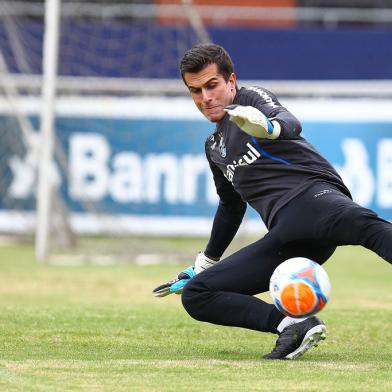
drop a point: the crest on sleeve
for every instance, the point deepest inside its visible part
(222, 148)
(212, 140)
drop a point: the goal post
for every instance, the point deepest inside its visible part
(45, 175)
(49, 200)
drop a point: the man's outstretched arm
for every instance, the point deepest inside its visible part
(260, 114)
(227, 220)
(253, 122)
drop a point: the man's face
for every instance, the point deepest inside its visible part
(210, 92)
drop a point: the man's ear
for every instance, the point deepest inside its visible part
(233, 80)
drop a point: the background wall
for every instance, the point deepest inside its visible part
(118, 49)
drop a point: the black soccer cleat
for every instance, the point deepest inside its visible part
(298, 338)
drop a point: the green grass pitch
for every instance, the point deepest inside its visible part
(98, 328)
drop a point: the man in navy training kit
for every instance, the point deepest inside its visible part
(257, 157)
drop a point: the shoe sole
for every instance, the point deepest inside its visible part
(312, 337)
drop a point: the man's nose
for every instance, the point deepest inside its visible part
(205, 95)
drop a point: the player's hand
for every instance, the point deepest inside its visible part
(176, 285)
(253, 122)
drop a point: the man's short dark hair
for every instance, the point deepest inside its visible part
(202, 55)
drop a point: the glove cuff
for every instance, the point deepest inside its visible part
(203, 262)
(274, 129)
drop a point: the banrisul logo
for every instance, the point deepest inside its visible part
(248, 158)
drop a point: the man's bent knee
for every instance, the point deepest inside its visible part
(194, 298)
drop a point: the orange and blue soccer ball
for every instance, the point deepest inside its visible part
(300, 287)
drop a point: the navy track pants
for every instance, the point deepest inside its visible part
(312, 225)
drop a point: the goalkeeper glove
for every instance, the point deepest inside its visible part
(253, 122)
(176, 285)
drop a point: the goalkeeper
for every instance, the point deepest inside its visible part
(258, 157)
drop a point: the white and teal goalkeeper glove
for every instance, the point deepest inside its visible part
(177, 284)
(253, 122)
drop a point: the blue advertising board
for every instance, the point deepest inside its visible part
(149, 170)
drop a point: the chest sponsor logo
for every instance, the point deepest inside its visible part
(248, 158)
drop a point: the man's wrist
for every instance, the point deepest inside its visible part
(204, 262)
(276, 129)
(211, 257)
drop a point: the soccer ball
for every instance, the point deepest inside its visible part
(299, 287)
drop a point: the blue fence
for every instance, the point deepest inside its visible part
(120, 49)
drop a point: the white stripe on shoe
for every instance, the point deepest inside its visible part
(312, 337)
